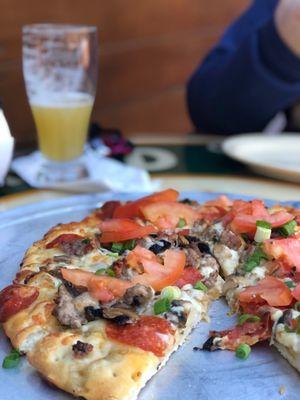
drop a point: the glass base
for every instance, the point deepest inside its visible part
(55, 171)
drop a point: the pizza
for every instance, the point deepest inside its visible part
(98, 306)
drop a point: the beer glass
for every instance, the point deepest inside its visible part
(60, 64)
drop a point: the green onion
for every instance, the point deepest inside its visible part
(181, 223)
(243, 351)
(297, 306)
(100, 271)
(117, 247)
(161, 306)
(171, 293)
(86, 241)
(288, 228)
(262, 234)
(290, 284)
(248, 317)
(110, 272)
(263, 224)
(288, 329)
(129, 245)
(200, 286)
(255, 259)
(12, 360)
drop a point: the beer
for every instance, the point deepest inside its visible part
(62, 124)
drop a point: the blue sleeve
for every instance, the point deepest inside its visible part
(249, 77)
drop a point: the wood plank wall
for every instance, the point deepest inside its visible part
(148, 48)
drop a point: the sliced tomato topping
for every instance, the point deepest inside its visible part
(269, 289)
(121, 229)
(190, 276)
(285, 250)
(157, 275)
(148, 333)
(296, 292)
(108, 209)
(166, 215)
(248, 333)
(139, 253)
(244, 215)
(15, 298)
(214, 209)
(133, 209)
(102, 288)
(105, 288)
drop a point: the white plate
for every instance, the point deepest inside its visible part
(276, 156)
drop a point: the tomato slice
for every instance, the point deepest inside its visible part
(102, 288)
(190, 276)
(296, 292)
(159, 276)
(245, 214)
(121, 229)
(249, 333)
(269, 289)
(166, 215)
(133, 209)
(285, 250)
(105, 288)
(15, 298)
(148, 333)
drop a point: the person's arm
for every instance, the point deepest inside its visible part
(249, 77)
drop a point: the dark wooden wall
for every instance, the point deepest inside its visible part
(148, 48)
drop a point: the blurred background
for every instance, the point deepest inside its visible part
(148, 49)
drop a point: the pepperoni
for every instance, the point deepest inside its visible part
(71, 244)
(189, 275)
(15, 298)
(249, 333)
(65, 238)
(146, 334)
(108, 209)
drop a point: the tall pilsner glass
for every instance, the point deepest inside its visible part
(60, 64)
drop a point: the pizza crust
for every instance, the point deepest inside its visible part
(289, 355)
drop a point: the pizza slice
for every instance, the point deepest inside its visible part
(99, 305)
(264, 288)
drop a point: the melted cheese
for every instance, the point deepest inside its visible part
(228, 258)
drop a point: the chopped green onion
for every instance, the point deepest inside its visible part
(129, 245)
(263, 224)
(262, 234)
(171, 293)
(249, 318)
(12, 359)
(110, 272)
(288, 329)
(86, 241)
(181, 223)
(200, 286)
(243, 351)
(297, 306)
(161, 306)
(290, 284)
(255, 259)
(100, 271)
(114, 255)
(117, 247)
(288, 228)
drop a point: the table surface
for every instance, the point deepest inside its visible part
(193, 163)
